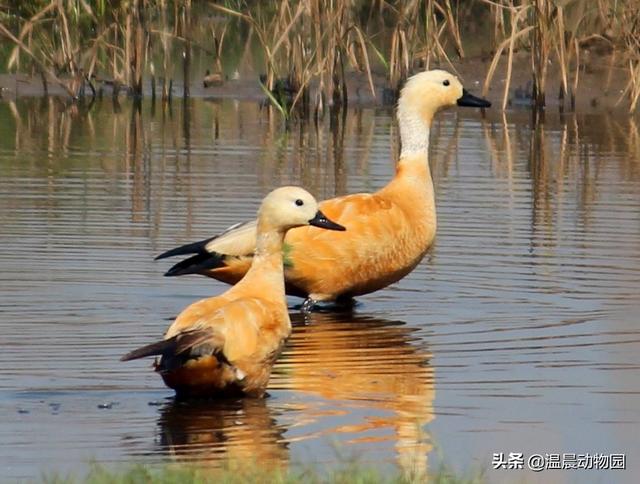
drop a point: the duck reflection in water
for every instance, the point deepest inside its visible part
(373, 374)
(223, 432)
(365, 382)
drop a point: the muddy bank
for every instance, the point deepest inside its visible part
(601, 85)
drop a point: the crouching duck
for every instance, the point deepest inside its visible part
(227, 345)
(389, 231)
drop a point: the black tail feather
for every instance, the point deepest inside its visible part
(171, 347)
(193, 248)
(154, 349)
(196, 264)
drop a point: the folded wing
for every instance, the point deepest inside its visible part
(230, 333)
(236, 243)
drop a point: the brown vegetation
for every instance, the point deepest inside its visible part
(311, 46)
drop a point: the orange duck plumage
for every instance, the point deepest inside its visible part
(389, 230)
(226, 345)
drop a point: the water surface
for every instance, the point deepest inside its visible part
(517, 333)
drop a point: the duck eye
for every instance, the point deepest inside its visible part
(445, 82)
(299, 202)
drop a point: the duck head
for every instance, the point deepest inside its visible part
(422, 96)
(430, 91)
(288, 207)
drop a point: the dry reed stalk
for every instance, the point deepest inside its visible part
(429, 28)
(561, 49)
(406, 41)
(45, 60)
(433, 45)
(540, 48)
(186, 56)
(218, 43)
(399, 59)
(576, 76)
(454, 29)
(265, 32)
(128, 48)
(633, 86)
(117, 36)
(26, 30)
(547, 31)
(316, 42)
(331, 23)
(36, 60)
(304, 41)
(630, 20)
(164, 41)
(362, 43)
(138, 43)
(516, 15)
(567, 39)
(68, 47)
(499, 29)
(114, 58)
(633, 140)
(625, 26)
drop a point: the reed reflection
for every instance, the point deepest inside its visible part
(137, 164)
(567, 160)
(561, 153)
(222, 432)
(319, 156)
(375, 366)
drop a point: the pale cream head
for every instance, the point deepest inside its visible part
(288, 207)
(422, 96)
(427, 92)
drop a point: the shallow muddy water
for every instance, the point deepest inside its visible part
(517, 333)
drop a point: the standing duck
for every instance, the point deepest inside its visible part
(226, 345)
(389, 231)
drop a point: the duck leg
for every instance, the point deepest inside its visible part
(307, 306)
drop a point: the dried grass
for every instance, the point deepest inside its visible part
(315, 44)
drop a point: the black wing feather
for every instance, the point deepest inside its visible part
(192, 248)
(196, 264)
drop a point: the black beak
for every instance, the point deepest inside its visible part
(320, 220)
(471, 101)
